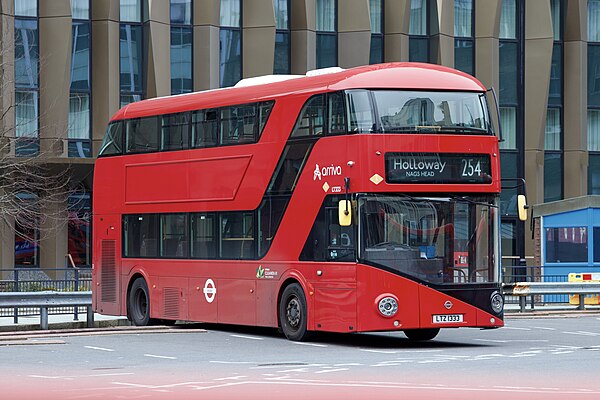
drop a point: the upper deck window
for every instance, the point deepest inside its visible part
(418, 112)
(113, 140)
(239, 124)
(317, 119)
(141, 135)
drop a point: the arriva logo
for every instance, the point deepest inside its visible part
(317, 173)
(332, 170)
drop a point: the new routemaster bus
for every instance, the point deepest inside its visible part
(359, 200)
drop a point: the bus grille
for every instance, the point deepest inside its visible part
(108, 275)
(171, 302)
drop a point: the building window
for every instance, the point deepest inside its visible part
(80, 9)
(282, 64)
(418, 46)
(230, 58)
(181, 12)
(593, 83)
(130, 11)
(553, 143)
(509, 74)
(26, 78)
(508, 20)
(181, 46)
(130, 51)
(593, 20)
(509, 98)
(181, 60)
(464, 48)
(566, 245)
(79, 229)
(376, 13)
(27, 232)
(327, 33)
(25, 8)
(80, 144)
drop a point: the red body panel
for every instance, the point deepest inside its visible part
(341, 297)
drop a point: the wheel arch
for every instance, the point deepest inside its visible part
(290, 279)
(132, 278)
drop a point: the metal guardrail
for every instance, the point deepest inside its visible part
(524, 289)
(46, 299)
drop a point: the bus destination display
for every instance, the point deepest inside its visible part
(437, 168)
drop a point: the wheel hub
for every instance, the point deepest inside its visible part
(293, 312)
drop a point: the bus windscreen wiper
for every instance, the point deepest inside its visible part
(464, 129)
(412, 129)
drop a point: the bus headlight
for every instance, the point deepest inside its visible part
(497, 302)
(388, 306)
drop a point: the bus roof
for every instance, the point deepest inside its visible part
(403, 75)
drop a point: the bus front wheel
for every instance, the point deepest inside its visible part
(138, 303)
(293, 313)
(421, 334)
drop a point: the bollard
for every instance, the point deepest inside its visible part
(44, 318)
(75, 289)
(581, 305)
(16, 289)
(90, 317)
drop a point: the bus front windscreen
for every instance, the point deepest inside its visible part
(402, 111)
(442, 240)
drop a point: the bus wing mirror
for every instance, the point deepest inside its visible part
(345, 212)
(522, 207)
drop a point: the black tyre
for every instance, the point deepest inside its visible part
(138, 303)
(293, 313)
(421, 334)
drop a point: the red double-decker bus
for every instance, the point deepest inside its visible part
(359, 200)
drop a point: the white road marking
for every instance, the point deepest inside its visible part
(247, 337)
(512, 341)
(544, 328)
(422, 351)
(310, 344)
(72, 377)
(233, 362)
(171, 385)
(231, 378)
(157, 356)
(392, 385)
(325, 371)
(583, 333)
(98, 348)
(290, 364)
(380, 351)
(392, 363)
(517, 329)
(287, 371)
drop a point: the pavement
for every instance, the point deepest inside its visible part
(59, 322)
(66, 321)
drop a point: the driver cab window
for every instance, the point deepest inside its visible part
(328, 241)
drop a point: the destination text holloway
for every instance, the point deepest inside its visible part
(419, 164)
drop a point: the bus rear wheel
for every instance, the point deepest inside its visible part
(293, 313)
(421, 334)
(138, 303)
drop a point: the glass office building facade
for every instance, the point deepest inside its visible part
(120, 51)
